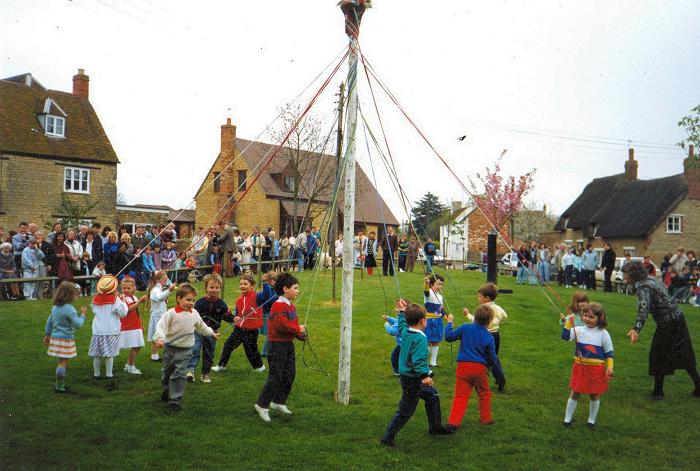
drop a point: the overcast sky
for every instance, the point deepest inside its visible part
(562, 85)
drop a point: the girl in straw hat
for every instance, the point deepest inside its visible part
(108, 310)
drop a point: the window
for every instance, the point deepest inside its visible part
(131, 226)
(673, 224)
(241, 179)
(599, 255)
(217, 182)
(76, 180)
(55, 126)
(628, 250)
(290, 184)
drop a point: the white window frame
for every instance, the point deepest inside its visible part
(290, 179)
(669, 229)
(52, 125)
(629, 250)
(82, 172)
(147, 226)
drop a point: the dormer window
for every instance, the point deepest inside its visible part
(55, 126)
(290, 184)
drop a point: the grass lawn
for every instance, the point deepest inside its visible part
(92, 427)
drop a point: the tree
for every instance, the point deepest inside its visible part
(501, 197)
(304, 173)
(427, 215)
(73, 214)
(691, 125)
(532, 220)
(121, 199)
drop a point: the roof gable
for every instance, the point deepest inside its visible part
(21, 131)
(620, 208)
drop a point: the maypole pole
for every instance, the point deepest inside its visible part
(353, 11)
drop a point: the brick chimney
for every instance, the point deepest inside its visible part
(631, 167)
(691, 168)
(228, 138)
(81, 84)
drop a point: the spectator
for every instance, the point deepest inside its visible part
(8, 269)
(82, 234)
(119, 260)
(93, 246)
(679, 259)
(692, 261)
(76, 251)
(122, 230)
(168, 234)
(20, 241)
(155, 237)
(57, 227)
(665, 265)
(608, 265)
(105, 235)
(126, 238)
(589, 262)
(543, 263)
(30, 269)
(413, 247)
(110, 248)
(139, 239)
(390, 245)
(311, 246)
(45, 264)
(3, 236)
(63, 266)
(649, 265)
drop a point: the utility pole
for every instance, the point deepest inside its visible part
(353, 11)
(338, 171)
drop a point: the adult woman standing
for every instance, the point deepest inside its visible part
(111, 248)
(76, 250)
(543, 258)
(413, 247)
(93, 246)
(45, 264)
(63, 257)
(671, 348)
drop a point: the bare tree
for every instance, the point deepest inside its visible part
(532, 220)
(307, 171)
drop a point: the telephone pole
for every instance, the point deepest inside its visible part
(338, 171)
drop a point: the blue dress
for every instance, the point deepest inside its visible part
(435, 329)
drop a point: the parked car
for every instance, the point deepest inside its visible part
(510, 260)
(617, 271)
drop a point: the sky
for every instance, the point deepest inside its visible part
(564, 86)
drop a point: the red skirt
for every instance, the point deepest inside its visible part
(588, 379)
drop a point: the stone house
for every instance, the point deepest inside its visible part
(149, 215)
(467, 233)
(270, 202)
(52, 146)
(640, 217)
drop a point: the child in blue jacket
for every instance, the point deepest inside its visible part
(391, 324)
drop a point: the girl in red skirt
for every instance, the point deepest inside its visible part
(593, 362)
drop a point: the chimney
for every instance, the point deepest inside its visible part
(691, 168)
(81, 84)
(228, 138)
(631, 167)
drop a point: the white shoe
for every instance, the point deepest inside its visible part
(280, 407)
(133, 370)
(126, 367)
(263, 413)
(190, 376)
(218, 368)
(259, 370)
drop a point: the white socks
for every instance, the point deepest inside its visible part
(570, 409)
(97, 363)
(433, 355)
(593, 411)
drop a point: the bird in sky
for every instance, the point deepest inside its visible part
(462, 137)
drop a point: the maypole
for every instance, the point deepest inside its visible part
(353, 11)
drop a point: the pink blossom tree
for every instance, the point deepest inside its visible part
(501, 197)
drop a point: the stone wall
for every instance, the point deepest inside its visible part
(662, 242)
(31, 189)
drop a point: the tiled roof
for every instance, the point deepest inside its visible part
(21, 132)
(622, 208)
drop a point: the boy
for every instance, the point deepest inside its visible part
(175, 331)
(416, 377)
(213, 311)
(283, 328)
(265, 299)
(477, 352)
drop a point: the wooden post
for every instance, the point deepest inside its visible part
(353, 11)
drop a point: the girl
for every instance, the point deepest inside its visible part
(85, 271)
(543, 260)
(131, 334)
(157, 296)
(432, 285)
(247, 320)
(215, 259)
(567, 264)
(99, 271)
(578, 268)
(60, 329)
(370, 251)
(168, 258)
(108, 310)
(147, 264)
(593, 363)
(578, 301)
(157, 257)
(403, 253)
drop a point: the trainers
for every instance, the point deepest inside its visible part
(280, 407)
(206, 379)
(59, 388)
(126, 367)
(259, 370)
(263, 413)
(218, 368)
(190, 376)
(133, 370)
(156, 358)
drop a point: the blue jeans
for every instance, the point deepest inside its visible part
(207, 345)
(395, 358)
(412, 392)
(543, 271)
(522, 275)
(300, 260)
(429, 263)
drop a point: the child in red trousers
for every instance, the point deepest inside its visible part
(477, 353)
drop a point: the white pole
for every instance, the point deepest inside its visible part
(353, 13)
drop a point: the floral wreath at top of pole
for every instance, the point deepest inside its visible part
(353, 11)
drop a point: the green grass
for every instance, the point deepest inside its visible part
(91, 427)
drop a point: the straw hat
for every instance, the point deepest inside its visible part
(107, 284)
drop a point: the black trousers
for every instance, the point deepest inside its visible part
(388, 263)
(412, 392)
(249, 339)
(283, 370)
(607, 284)
(589, 279)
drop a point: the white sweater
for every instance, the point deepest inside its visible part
(177, 328)
(158, 297)
(106, 320)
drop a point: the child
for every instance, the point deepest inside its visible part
(578, 301)
(370, 253)
(283, 328)
(176, 331)
(593, 363)
(157, 257)
(108, 310)
(486, 295)
(432, 285)
(477, 353)
(247, 320)
(264, 299)
(158, 292)
(168, 258)
(392, 328)
(131, 335)
(85, 288)
(213, 310)
(215, 259)
(60, 329)
(98, 271)
(567, 263)
(148, 268)
(416, 376)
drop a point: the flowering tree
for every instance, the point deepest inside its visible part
(501, 197)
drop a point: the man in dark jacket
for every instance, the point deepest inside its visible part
(390, 245)
(608, 264)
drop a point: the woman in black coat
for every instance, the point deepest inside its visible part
(671, 348)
